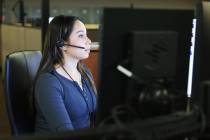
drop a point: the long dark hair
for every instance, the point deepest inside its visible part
(60, 28)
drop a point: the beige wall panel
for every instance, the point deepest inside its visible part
(32, 39)
(17, 38)
(12, 37)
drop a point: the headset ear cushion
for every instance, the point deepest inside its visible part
(60, 43)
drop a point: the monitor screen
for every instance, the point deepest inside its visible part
(147, 44)
(201, 67)
(151, 52)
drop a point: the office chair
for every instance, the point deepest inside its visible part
(20, 71)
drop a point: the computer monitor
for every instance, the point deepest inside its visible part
(121, 29)
(201, 67)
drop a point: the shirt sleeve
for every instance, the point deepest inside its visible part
(48, 97)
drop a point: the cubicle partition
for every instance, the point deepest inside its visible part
(16, 38)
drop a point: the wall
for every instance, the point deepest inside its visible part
(16, 38)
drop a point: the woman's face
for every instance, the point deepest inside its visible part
(78, 37)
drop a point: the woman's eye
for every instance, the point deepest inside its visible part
(80, 36)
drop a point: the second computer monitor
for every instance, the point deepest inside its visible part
(122, 31)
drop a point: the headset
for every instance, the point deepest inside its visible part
(60, 43)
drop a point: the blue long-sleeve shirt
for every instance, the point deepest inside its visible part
(60, 103)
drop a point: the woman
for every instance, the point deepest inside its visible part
(64, 94)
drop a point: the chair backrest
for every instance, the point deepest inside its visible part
(20, 71)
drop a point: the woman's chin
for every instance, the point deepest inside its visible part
(85, 57)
